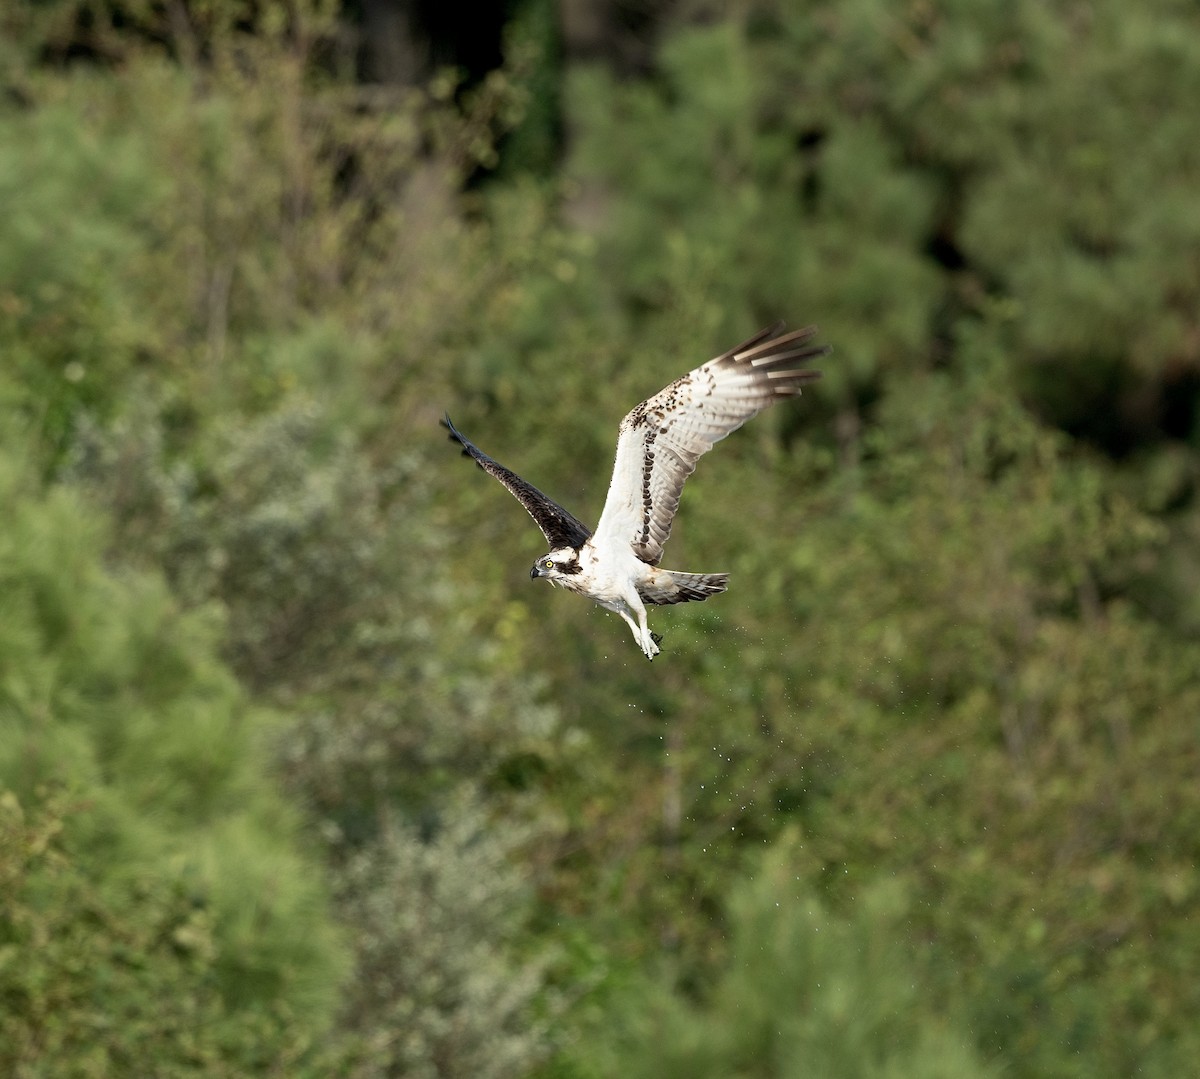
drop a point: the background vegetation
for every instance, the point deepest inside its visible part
(300, 776)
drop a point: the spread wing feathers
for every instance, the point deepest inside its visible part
(560, 528)
(660, 441)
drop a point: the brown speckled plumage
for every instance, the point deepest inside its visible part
(661, 439)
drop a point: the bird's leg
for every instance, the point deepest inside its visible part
(647, 641)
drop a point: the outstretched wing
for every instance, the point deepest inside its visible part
(660, 441)
(559, 527)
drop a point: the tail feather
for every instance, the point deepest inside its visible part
(672, 586)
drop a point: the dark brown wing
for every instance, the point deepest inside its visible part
(560, 528)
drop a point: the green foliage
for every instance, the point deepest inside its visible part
(69, 325)
(1028, 708)
(703, 175)
(156, 901)
(104, 980)
(221, 470)
(805, 993)
(976, 722)
(437, 992)
(1043, 131)
(330, 607)
(282, 527)
(959, 654)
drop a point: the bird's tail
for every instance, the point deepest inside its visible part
(672, 586)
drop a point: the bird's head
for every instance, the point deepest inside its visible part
(557, 564)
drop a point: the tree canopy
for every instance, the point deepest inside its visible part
(300, 775)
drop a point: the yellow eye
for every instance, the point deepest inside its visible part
(548, 564)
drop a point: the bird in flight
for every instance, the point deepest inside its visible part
(658, 444)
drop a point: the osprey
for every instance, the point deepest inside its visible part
(658, 445)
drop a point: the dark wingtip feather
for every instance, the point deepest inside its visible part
(456, 436)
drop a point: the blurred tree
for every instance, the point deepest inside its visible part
(803, 993)
(947, 153)
(436, 917)
(333, 613)
(236, 291)
(157, 908)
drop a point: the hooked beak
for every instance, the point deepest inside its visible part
(534, 574)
